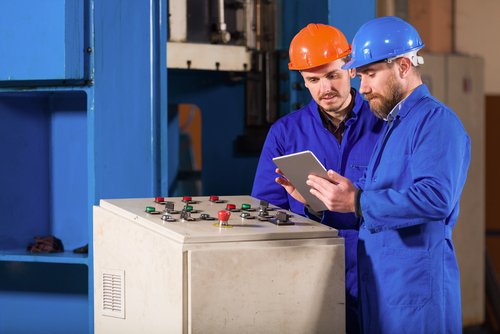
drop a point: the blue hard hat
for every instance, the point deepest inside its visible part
(382, 38)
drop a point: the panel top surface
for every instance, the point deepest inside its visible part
(196, 229)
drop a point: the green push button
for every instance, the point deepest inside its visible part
(188, 208)
(245, 206)
(150, 209)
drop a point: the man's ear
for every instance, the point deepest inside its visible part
(352, 72)
(304, 79)
(404, 66)
(305, 83)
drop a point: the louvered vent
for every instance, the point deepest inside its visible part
(113, 293)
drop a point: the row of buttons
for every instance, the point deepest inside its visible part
(281, 217)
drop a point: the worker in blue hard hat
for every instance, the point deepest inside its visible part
(336, 125)
(408, 199)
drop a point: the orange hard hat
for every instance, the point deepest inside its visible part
(315, 45)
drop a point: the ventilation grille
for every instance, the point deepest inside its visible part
(113, 293)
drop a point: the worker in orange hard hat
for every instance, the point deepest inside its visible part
(336, 125)
(315, 45)
(317, 50)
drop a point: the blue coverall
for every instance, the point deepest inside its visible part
(304, 130)
(408, 275)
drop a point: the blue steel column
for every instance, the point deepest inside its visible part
(128, 120)
(127, 99)
(161, 97)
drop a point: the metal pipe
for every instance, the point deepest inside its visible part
(221, 22)
(221, 35)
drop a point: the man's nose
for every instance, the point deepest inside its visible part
(325, 85)
(363, 87)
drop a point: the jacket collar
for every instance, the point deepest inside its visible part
(412, 99)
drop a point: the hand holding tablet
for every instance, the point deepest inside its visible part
(296, 167)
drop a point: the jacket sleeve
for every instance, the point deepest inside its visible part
(264, 185)
(340, 221)
(438, 167)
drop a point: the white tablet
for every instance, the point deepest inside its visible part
(296, 167)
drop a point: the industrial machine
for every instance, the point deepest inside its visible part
(240, 38)
(214, 265)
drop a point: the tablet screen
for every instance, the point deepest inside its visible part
(296, 167)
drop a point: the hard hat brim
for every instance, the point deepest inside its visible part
(355, 63)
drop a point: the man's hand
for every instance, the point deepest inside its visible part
(289, 187)
(337, 193)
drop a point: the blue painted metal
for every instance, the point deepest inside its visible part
(25, 142)
(126, 102)
(44, 192)
(158, 100)
(91, 200)
(296, 14)
(21, 256)
(68, 168)
(41, 40)
(43, 298)
(161, 19)
(45, 177)
(348, 16)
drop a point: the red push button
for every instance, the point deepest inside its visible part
(230, 207)
(223, 215)
(214, 198)
(159, 199)
(187, 198)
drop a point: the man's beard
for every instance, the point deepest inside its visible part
(382, 105)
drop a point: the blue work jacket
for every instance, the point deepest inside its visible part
(304, 130)
(408, 275)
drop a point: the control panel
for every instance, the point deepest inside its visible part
(210, 264)
(213, 218)
(188, 210)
